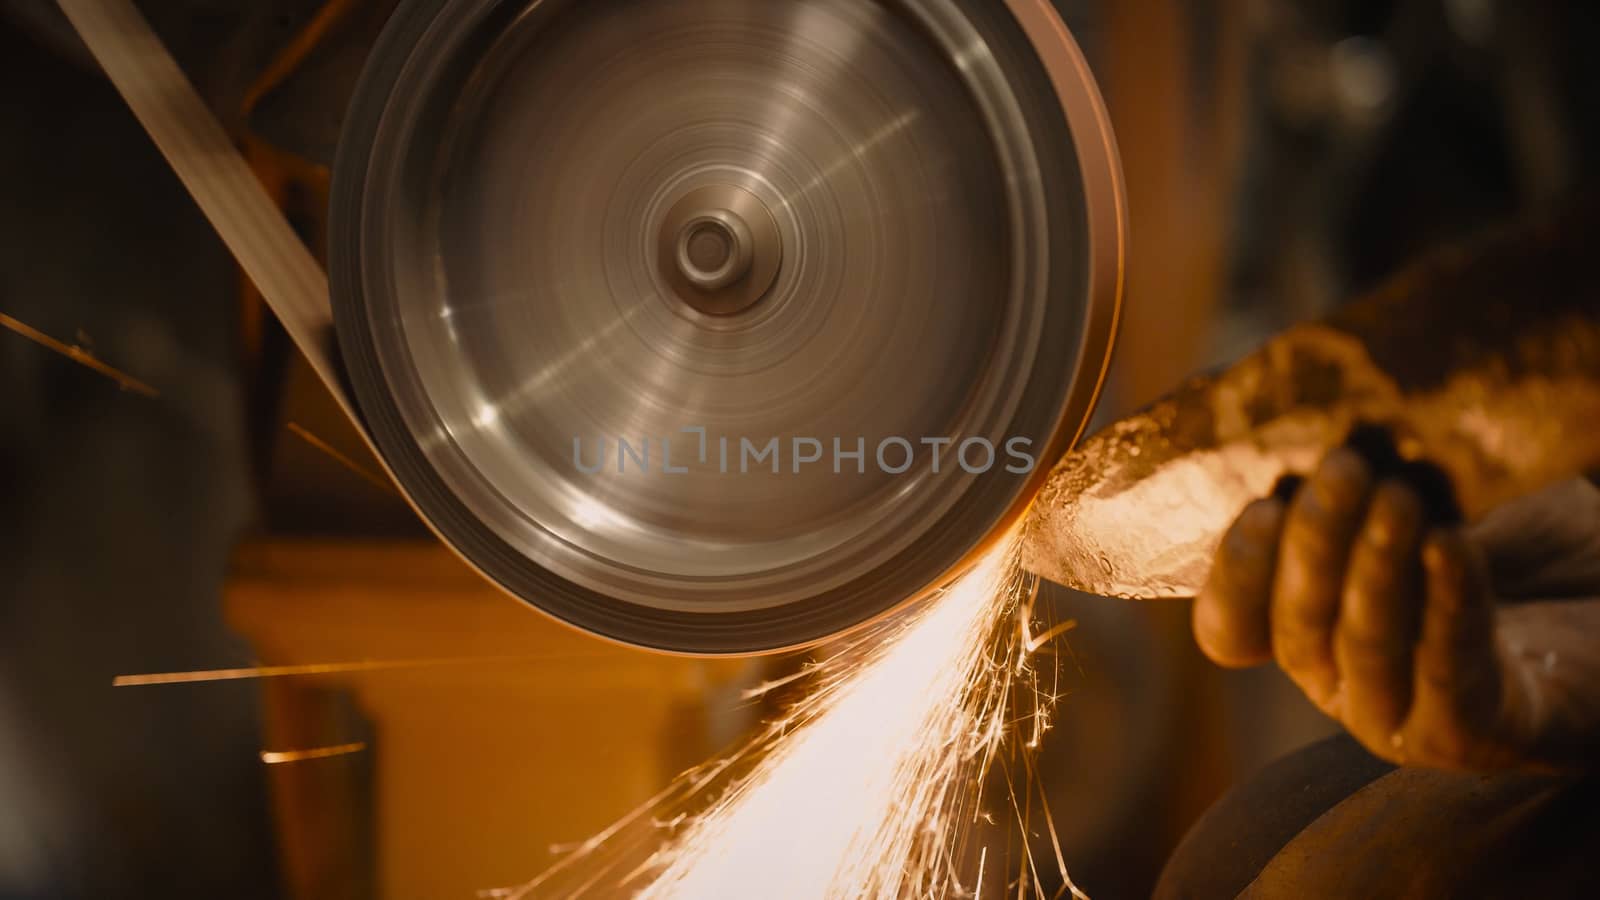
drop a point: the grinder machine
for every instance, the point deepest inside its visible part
(709, 327)
(729, 326)
(673, 317)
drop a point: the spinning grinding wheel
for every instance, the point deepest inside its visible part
(579, 248)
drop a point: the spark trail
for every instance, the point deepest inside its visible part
(872, 784)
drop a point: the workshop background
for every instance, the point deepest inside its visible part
(1280, 155)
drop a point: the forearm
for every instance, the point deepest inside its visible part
(1552, 651)
(1546, 545)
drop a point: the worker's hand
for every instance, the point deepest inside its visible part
(1385, 615)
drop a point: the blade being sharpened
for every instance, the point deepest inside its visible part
(1483, 360)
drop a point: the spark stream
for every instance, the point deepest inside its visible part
(725, 455)
(876, 783)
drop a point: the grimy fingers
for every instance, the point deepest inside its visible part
(1457, 684)
(1379, 617)
(1309, 580)
(1230, 614)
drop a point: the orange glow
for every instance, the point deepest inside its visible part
(870, 785)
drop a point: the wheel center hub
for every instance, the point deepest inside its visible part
(720, 249)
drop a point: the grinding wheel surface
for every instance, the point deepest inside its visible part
(560, 224)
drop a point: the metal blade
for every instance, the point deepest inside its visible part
(916, 202)
(716, 232)
(1484, 361)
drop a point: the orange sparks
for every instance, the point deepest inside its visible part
(278, 757)
(870, 786)
(310, 669)
(342, 459)
(80, 356)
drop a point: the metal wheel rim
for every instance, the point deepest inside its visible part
(1076, 230)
